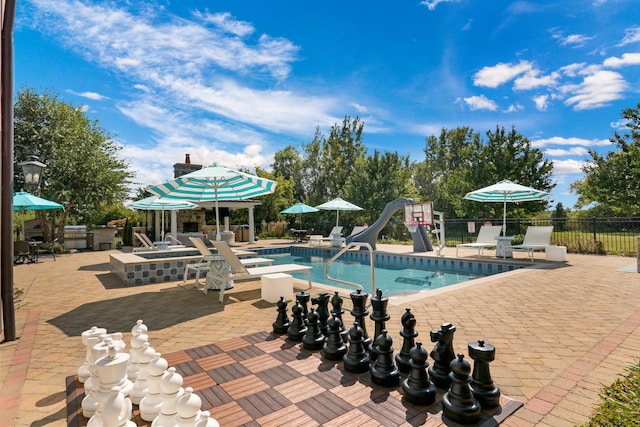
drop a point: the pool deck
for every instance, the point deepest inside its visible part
(560, 332)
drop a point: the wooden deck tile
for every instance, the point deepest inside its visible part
(244, 386)
(261, 363)
(215, 361)
(299, 389)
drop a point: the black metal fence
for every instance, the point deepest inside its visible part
(601, 235)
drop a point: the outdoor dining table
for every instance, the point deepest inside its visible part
(299, 235)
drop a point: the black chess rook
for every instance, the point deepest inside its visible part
(484, 390)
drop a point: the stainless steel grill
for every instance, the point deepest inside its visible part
(75, 236)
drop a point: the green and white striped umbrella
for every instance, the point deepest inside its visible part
(212, 184)
(155, 203)
(506, 191)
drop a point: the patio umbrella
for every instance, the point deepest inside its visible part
(155, 203)
(506, 191)
(299, 208)
(214, 183)
(23, 201)
(338, 205)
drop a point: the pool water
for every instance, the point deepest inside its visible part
(392, 279)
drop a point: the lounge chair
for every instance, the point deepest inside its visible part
(240, 272)
(537, 238)
(319, 238)
(486, 239)
(148, 245)
(203, 263)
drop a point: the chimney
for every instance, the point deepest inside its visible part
(187, 158)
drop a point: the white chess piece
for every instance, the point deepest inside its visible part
(171, 390)
(151, 403)
(94, 333)
(117, 410)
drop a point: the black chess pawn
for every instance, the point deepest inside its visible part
(334, 348)
(357, 358)
(359, 312)
(303, 298)
(458, 404)
(417, 387)
(322, 301)
(442, 355)
(487, 393)
(282, 322)
(336, 304)
(297, 328)
(313, 338)
(379, 315)
(408, 333)
(383, 371)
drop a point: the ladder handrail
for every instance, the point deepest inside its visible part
(344, 282)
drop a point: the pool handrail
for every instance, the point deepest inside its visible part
(344, 282)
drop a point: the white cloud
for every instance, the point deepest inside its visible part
(480, 103)
(627, 59)
(514, 108)
(568, 166)
(431, 4)
(89, 95)
(596, 90)
(558, 140)
(619, 124)
(561, 152)
(573, 40)
(542, 102)
(631, 35)
(533, 80)
(359, 108)
(500, 73)
(227, 23)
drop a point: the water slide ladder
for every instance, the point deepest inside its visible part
(344, 282)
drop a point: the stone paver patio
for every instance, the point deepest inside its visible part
(560, 333)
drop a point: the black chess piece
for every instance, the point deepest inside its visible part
(303, 298)
(336, 303)
(408, 333)
(313, 338)
(484, 390)
(357, 358)
(379, 315)
(458, 404)
(282, 322)
(383, 371)
(334, 348)
(442, 355)
(322, 301)
(359, 312)
(417, 387)
(297, 328)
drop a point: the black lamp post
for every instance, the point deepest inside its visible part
(32, 172)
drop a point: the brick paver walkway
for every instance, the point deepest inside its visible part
(560, 333)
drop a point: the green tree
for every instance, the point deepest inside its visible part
(377, 180)
(612, 182)
(83, 169)
(330, 161)
(288, 164)
(280, 199)
(459, 161)
(559, 217)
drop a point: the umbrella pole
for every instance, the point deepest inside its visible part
(217, 217)
(22, 216)
(337, 216)
(504, 217)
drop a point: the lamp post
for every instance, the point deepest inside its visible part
(32, 172)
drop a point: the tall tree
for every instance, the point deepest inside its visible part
(612, 181)
(288, 164)
(330, 161)
(83, 170)
(459, 161)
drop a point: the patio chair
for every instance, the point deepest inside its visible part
(537, 238)
(203, 263)
(486, 239)
(318, 238)
(22, 252)
(48, 248)
(240, 272)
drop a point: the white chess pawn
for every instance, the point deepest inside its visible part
(151, 403)
(171, 390)
(89, 339)
(188, 408)
(141, 384)
(205, 420)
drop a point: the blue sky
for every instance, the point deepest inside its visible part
(236, 81)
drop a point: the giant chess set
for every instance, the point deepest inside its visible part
(310, 367)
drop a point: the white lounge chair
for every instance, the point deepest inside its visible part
(537, 238)
(148, 245)
(319, 238)
(240, 272)
(486, 239)
(203, 264)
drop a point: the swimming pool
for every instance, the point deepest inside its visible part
(395, 274)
